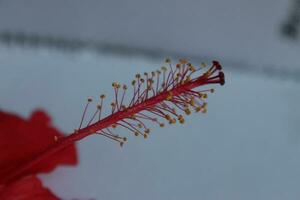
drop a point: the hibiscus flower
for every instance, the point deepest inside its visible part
(22, 140)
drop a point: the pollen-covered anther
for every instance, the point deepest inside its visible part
(192, 101)
(168, 117)
(192, 68)
(198, 108)
(187, 111)
(114, 84)
(172, 121)
(181, 119)
(187, 79)
(170, 96)
(183, 61)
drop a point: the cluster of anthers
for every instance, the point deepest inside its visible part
(160, 96)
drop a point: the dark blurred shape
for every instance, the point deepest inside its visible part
(290, 29)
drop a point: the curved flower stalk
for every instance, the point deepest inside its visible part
(160, 96)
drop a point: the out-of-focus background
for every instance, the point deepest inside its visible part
(54, 54)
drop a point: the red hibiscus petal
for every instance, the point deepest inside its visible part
(27, 188)
(21, 140)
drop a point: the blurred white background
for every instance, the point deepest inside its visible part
(54, 54)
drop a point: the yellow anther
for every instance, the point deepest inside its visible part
(183, 61)
(187, 79)
(114, 84)
(167, 116)
(170, 96)
(187, 111)
(192, 68)
(181, 119)
(172, 121)
(161, 124)
(192, 102)
(198, 109)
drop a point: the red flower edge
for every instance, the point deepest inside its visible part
(22, 140)
(26, 188)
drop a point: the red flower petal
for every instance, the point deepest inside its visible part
(21, 140)
(27, 188)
